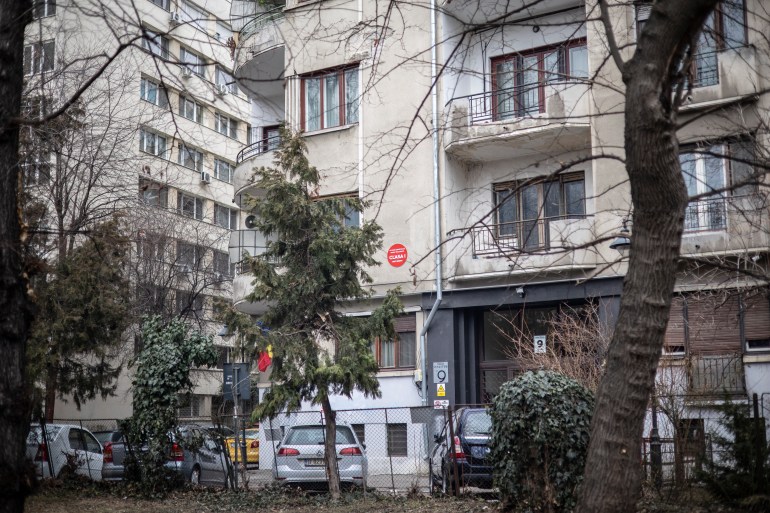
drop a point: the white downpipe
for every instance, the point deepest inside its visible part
(436, 205)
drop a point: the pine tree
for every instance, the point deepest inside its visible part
(313, 265)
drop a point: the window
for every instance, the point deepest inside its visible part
(190, 158)
(152, 92)
(397, 445)
(225, 125)
(153, 194)
(271, 137)
(192, 61)
(330, 99)
(161, 3)
(152, 299)
(44, 8)
(222, 264)
(190, 109)
(518, 80)
(189, 406)
(707, 170)
(152, 143)
(223, 170)
(151, 246)
(223, 33)
(36, 170)
(189, 255)
(223, 78)
(189, 205)
(524, 209)
(39, 57)
(360, 431)
(194, 15)
(155, 44)
(225, 217)
(399, 352)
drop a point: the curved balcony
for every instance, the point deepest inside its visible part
(511, 123)
(259, 57)
(251, 243)
(253, 156)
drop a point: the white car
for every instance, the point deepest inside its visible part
(64, 444)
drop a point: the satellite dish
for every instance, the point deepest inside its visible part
(251, 221)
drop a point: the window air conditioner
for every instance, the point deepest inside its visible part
(175, 18)
(222, 89)
(186, 72)
(205, 177)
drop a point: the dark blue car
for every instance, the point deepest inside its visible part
(470, 451)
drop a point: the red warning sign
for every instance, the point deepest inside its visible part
(397, 255)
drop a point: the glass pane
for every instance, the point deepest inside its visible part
(688, 161)
(387, 353)
(505, 98)
(551, 67)
(351, 96)
(312, 104)
(552, 195)
(507, 213)
(578, 62)
(331, 101)
(406, 349)
(732, 23)
(574, 198)
(530, 211)
(529, 85)
(741, 167)
(714, 176)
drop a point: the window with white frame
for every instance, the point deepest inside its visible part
(223, 170)
(190, 157)
(44, 8)
(190, 255)
(190, 206)
(153, 194)
(222, 264)
(192, 61)
(189, 304)
(223, 78)
(225, 217)
(194, 15)
(165, 4)
(39, 57)
(36, 169)
(155, 44)
(152, 143)
(225, 125)
(152, 92)
(223, 33)
(330, 99)
(707, 171)
(151, 246)
(190, 109)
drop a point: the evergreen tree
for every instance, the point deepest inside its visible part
(313, 264)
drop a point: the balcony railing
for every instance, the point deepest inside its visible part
(705, 215)
(514, 102)
(705, 69)
(258, 148)
(518, 236)
(261, 19)
(717, 374)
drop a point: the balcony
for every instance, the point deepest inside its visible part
(723, 75)
(558, 244)
(253, 156)
(534, 119)
(726, 224)
(717, 375)
(259, 57)
(251, 243)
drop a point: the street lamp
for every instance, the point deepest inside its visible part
(623, 241)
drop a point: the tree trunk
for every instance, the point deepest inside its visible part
(14, 303)
(330, 449)
(613, 472)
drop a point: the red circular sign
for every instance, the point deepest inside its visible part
(397, 255)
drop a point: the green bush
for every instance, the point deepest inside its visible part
(540, 426)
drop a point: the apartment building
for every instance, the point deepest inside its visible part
(166, 120)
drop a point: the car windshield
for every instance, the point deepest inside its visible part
(35, 435)
(252, 433)
(477, 423)
(314, 435)
(106, 436)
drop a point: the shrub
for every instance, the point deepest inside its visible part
(540, 427)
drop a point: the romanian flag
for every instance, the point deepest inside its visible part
(265, 359)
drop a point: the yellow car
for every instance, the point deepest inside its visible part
(252, 447)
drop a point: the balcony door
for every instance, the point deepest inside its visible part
(704, 174)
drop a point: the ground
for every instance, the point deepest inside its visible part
(64, 497)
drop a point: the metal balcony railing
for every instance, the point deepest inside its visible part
(257, 148)
(705, 69)
(517, 236)
(717, 374)
(261, 19)
(704, 215)
(521, 101)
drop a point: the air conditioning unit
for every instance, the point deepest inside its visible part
(146, 170)
(186, 72)
(250, 221)
(175, 18)
(222, 89)
(205, 177)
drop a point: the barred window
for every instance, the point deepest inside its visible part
(397, 445)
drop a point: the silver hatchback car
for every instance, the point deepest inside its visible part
(300, 456)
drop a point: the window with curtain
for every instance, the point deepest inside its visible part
(399, 352)
(330, 99)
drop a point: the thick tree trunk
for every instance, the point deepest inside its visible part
(613, 471)
(15, 309)
(330, 449)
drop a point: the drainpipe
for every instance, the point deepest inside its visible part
(436, 207)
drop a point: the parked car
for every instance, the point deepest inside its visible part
(300, 456)
(472, 429)
(252, 446)
(113, 456)
(64, 445)
(199, 456)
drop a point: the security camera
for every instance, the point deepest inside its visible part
(520, 291)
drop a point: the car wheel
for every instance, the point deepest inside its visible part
(195, 476)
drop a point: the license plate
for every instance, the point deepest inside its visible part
(315, 463)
